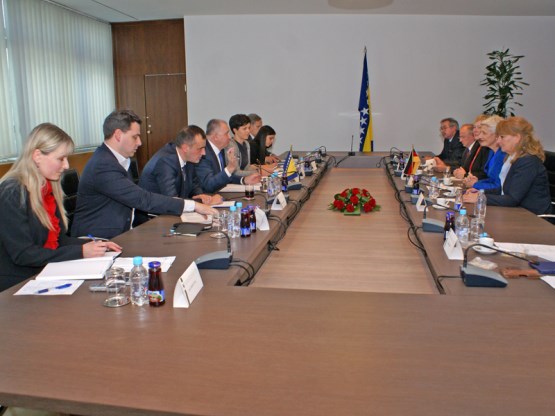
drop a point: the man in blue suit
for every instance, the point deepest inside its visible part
(216, 168)
(171, 170)
(107, 195)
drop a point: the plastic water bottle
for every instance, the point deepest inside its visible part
(458, 199)
(434, 188)
(232, 222)
(300, 168)
(480, 206)
(462, 226)
(139, 282)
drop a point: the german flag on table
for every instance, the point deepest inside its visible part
(412, 164)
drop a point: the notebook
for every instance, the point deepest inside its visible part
(83, 269)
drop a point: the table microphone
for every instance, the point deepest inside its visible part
(351, 153)
(431, 225)
(216, 259)
(266, 202)
(477, 277)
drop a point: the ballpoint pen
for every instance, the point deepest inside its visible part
(64, 286)
(92, 237)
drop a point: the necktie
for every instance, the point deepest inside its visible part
(465, 155)
(184, 171)
(222, 159)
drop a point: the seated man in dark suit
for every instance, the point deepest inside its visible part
(107, 194)
(216, 168)
(475, 157)
(453, 149)
(171, 170)
(256, 124)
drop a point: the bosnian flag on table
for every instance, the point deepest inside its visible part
(289, 167)
(365, 112)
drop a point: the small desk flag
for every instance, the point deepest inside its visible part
(289, 167)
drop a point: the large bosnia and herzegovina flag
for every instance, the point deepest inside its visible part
(365, 112)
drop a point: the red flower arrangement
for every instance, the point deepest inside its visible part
(353, 201)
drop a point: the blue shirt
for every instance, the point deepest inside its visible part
(492, 169)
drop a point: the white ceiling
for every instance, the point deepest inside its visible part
(133, 10)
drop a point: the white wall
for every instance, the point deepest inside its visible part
(302, 73)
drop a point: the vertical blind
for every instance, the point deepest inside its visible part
(58, 70)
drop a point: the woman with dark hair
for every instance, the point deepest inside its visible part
(523, 176)
(260, 144)
(32, 215)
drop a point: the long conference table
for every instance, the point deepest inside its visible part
(344, 316)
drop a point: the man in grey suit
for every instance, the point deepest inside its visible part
(107, 194)
(217, 167)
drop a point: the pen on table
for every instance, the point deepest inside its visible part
(64, 286)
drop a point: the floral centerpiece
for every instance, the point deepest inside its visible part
(353, 201)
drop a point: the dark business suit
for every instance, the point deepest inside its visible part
(22, 252)
(163, 175)
(452, 151)
(474, 162)
(210, 174)
(107, 195)
(526, 185)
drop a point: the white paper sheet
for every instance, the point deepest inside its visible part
(541, 250)
(233, 187)
(48, 288)
(224, 204)
(196, 218)
(550, 280)
(126, 263)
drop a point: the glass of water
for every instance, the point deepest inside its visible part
(217, 222)
(476, 229)
(118, 291)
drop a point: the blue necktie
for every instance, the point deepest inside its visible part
(222, 159)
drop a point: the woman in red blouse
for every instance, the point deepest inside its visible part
(33, 221)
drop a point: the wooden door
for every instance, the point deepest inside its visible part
(166, 109)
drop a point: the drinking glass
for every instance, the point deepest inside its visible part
(476, 229)
(249, 192)
(217, 223)
(116, 288)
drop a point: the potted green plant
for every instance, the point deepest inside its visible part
(504, 82)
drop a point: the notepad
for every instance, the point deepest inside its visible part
(83, 269)
(196, 218)
(233, 187)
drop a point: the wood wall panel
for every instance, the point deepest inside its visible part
(147, 48)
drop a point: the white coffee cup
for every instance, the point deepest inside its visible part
(487, 241)
(447, 180)
(443, 201)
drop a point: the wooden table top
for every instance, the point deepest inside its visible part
(326, 250)
(260, 351)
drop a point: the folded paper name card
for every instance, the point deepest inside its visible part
(452, 247)
(187, 287)
(279, 202)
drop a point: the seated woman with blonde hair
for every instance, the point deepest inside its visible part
(523, 176)
(32, 214)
